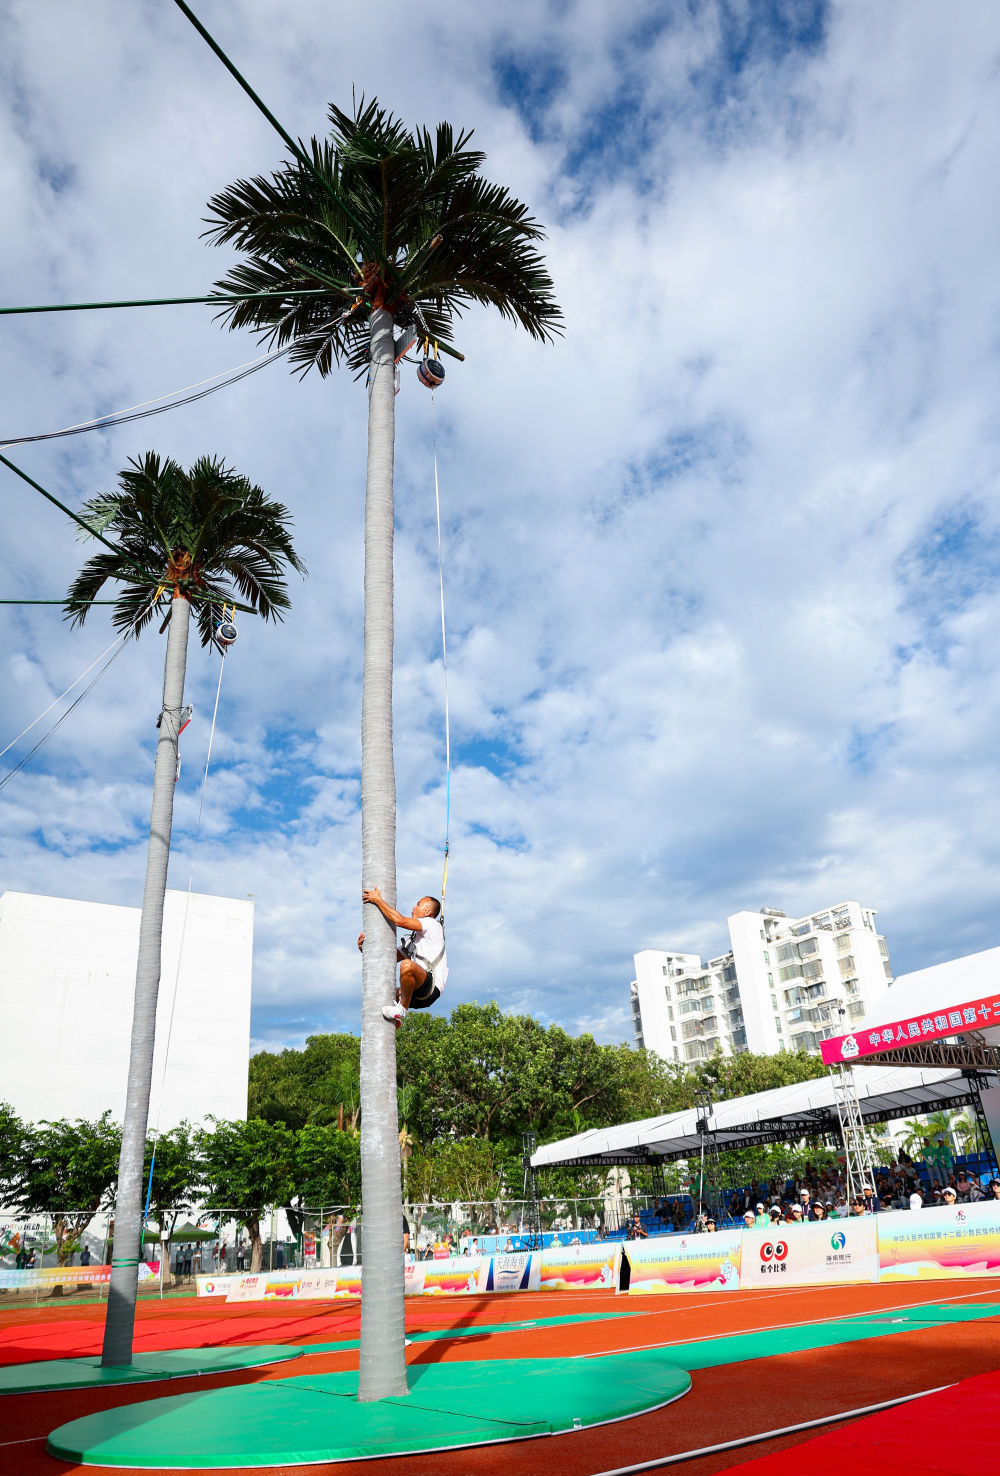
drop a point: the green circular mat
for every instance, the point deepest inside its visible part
(302, 1421)
(175, 1363)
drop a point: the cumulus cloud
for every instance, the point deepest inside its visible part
(721, 565)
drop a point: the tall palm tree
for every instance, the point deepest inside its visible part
(199, 535)
(398, 228)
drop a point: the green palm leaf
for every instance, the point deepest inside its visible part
(208, 532)
(407, 189)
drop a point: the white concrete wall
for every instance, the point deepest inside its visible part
(67, 977)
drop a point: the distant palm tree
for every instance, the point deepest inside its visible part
(402, 230)
(190, 538)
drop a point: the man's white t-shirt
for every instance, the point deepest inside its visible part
(429, 952)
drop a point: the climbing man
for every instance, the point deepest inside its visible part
(423, 963)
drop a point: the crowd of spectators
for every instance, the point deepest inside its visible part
(818, 1194)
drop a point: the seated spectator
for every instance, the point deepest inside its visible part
(993, 1190)
(635, 1230)
(916, 1199)
(858, 1206)
(762, 1219)
(775, 1216)
(749, 1220)
(885, 1203)
(949, 1195)
(795, 1215)
(819, 1212)
(709, 1224)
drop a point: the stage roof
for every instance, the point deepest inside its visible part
(777, 1116)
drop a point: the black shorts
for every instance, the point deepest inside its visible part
(426, 995)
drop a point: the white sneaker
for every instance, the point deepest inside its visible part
(394, 1013)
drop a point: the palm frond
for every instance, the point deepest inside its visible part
(209, 530)
(404, 188)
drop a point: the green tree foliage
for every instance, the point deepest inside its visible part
(740, 1076)
(482, 1073)
(176, 1179)
(246, 1168)
(321, 1083)
(12, 1133)
(327, 1169)
(69, 1172)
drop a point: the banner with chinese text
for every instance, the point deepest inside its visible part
(977, 1014)
(678, 1263)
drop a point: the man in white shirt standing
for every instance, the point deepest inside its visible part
(423, 963)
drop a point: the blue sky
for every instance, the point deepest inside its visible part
(721, 564)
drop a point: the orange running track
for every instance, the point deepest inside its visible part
(726, 1403)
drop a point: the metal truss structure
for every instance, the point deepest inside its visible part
(858, 1161)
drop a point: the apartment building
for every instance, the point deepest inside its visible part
(786, 984)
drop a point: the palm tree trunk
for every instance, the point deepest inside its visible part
(120, 1320)
(382, 1357)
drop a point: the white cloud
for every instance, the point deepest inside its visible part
(702, 655)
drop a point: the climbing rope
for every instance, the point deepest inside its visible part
(444, 659)
(180, 947)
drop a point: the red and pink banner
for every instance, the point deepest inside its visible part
(978, 1014)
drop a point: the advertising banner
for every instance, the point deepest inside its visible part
(579, 1267)
(947, 1243)
(455, 1277)
(515, 1271)
(976, 1014)
(214, 1286)
(819, 1254)
(54, 1276)
(243, 1288)
(677, 1263)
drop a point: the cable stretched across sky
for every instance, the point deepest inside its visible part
(145, 408)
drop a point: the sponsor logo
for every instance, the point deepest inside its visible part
(774, 1251)
(960, 1217)
(849, 1047)
(838, 1240)
(209, 1287)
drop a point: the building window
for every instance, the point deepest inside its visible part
(843, 941)
(808, 946)
(774, 1002)
(770, 978)
(847, 966)
(673, 1032)
(888, 969)
(856, 1009)
(787, 951)
(777, 1024)
(670, 1012)
(767, 957)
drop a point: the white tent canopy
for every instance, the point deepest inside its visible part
(781, 1115)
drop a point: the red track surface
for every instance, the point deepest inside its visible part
(726, 1403)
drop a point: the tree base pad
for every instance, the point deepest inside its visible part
(312, 1420)
(177, 1363)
